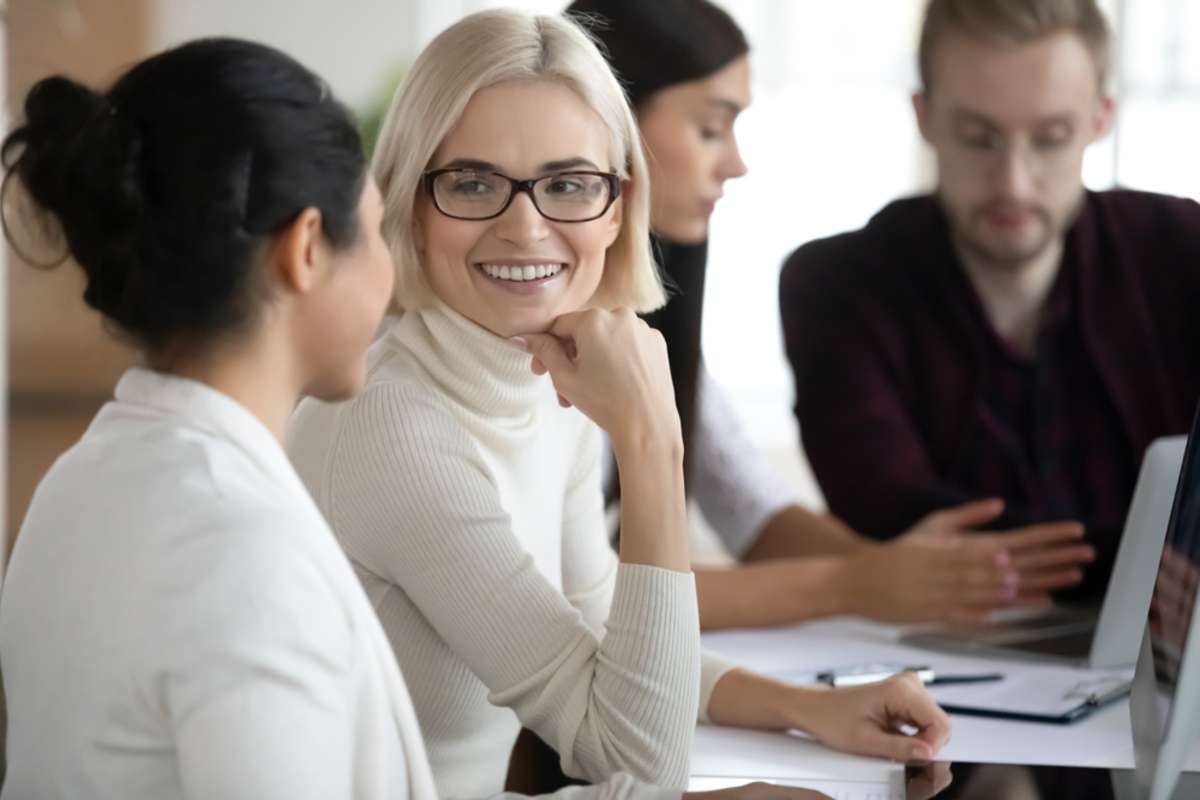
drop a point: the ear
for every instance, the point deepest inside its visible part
(920, 103)
(1106, 112)
(300, 252)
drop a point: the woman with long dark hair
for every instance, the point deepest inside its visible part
(685, 66)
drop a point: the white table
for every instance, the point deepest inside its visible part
(1100, 740)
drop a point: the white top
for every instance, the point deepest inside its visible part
(471, 507)
(178, 622)
(734, 487)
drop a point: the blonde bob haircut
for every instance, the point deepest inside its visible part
(482, 50)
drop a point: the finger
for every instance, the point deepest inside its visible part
(891, 744)
(1050, 580)
(565, 326)
(914, 706)
(1034, 536)
(548, 351)
(538, 367)
(988, 595)
(564, 402)
(968, 515)
(1033, 600)
(993, 579)
(1049, 557)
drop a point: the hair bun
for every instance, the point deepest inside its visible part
(59, 106)
(77, 158)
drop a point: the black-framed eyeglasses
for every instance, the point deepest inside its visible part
(577, 196)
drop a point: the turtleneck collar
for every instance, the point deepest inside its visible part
(487, 374)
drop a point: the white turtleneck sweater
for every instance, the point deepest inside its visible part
(470, 505)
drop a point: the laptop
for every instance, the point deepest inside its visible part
(1081, 637)
(1166, 687)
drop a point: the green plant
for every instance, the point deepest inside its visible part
(370, 118)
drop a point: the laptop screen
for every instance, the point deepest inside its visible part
(1178, 578)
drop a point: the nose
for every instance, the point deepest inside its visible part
(1017, 172)
(732, 165)
(521, 223)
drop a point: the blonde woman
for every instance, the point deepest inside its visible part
(466, 489)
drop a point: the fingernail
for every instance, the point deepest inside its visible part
(922, 753)
(1001, 559)
(521, 342)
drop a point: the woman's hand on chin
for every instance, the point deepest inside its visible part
(613, 367)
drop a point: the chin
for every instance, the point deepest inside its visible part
(337, 389)
(686, 233)
(518, 326)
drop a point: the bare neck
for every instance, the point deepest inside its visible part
(253, 373)
(1014, 296)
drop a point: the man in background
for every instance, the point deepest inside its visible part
(1012, 334)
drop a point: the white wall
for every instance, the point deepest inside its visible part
(352, 44)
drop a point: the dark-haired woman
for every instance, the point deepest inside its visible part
(178, 620)
(686, 68)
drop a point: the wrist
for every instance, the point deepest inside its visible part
(844, 585)
(634, 444)
(820, 586)
(805, 707)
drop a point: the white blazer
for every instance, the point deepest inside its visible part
(178, 621)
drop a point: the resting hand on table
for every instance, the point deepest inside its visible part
(943, 571)
(868, 720)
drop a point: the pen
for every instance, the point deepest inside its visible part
(859, 676)
(946, 680)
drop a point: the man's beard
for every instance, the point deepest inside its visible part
(1013, 254)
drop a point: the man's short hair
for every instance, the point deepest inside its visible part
(1014, 23)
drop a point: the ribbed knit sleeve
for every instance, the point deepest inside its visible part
(589, 565)
(413, 502)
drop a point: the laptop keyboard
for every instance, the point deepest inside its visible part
(1072, 645)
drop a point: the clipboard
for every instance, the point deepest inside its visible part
(1057, 697)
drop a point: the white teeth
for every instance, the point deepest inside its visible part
(522, 272)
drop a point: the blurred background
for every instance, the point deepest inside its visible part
(829, 139)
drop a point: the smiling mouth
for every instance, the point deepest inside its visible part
(521, 273)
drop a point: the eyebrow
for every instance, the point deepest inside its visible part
(726, 104)
(549, 166)
(966, 115)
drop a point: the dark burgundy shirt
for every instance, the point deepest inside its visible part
(908, 401)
